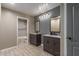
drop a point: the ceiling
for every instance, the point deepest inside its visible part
(32, 9)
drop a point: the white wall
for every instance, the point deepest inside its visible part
(8, 28)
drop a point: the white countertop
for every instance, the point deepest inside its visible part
(58, 36)
(35, 33)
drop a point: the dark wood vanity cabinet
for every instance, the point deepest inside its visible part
(35, 39)
(57, 46)
(51, 45)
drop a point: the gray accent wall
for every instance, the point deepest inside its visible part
(45, 22)
(44, 26)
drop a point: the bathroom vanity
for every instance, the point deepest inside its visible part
(51, 44)
(35, 39)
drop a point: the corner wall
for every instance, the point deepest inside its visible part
(8, 27)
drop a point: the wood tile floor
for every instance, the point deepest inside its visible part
(24, 49)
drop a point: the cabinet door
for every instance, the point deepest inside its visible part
(49, 45)
(38, 39)
(57, 46)
(45, 42)
(32, 39)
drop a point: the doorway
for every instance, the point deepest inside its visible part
(22, 30)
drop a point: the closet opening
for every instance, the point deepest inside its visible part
(22, 30)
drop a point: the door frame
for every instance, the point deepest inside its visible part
(19, 17)
(63, 34)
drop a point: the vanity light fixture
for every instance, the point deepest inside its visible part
(45, 16)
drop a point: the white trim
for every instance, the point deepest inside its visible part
(19, 17)
(65, 29)
(63, 40)
(22, 37)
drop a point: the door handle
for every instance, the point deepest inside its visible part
(69, 38)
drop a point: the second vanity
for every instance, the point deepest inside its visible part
(35, 39)
(51, 44)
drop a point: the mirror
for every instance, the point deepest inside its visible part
(37, 26)
(55, 25)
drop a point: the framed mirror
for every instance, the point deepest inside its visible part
(37, 26)
(55, 25)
